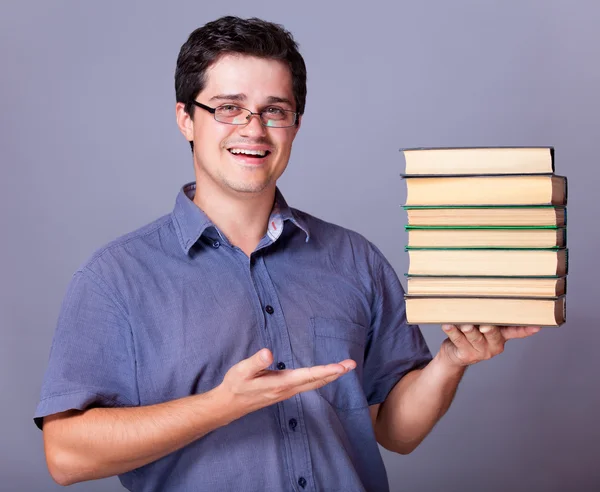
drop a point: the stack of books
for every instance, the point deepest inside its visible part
(486, 236)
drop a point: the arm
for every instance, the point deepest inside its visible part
(102, 442)
(423, 396)
(415, 405)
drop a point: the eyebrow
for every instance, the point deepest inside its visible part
(242, 97)
(228, 97)
(275, 99)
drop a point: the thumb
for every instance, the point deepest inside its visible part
(257, 363)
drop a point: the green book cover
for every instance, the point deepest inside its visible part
(562, 208)
(563, 230)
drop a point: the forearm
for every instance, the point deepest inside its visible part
(102, 442)
(415, 405)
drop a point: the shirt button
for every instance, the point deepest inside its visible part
(269, 309)
(302, 482)
(293, 423)
(216, 244)
(280, 366)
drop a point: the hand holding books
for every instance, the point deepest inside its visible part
(469, 344)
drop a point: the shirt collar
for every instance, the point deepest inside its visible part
(191, 222)
(286, 213)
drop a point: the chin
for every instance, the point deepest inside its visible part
(248, 187)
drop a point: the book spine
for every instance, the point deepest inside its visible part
(476, 227)
(471, 175)
(444, 207)
(503, 248)
(402, 149)
(419, 275)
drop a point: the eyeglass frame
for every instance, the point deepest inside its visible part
(213, 111)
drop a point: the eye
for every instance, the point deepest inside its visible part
(229, 108)
(274, 111)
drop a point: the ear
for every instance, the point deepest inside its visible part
(184, 122)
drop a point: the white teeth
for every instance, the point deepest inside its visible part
(260, 153)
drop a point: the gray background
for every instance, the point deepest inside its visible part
(90, 150)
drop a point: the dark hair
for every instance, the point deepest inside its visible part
(253, 37)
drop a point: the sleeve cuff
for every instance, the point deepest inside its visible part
(77, 400)
(384, 387)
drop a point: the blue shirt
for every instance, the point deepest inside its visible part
(163, 312)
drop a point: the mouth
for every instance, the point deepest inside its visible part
(251, 154)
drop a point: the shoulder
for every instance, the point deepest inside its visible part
(346, 242)
(143, 242)
(320, 228)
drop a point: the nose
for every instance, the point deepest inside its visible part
(254, 127)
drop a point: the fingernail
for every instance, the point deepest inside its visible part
(466, 328)
(446, 327)
(263, 356)
(485, 328)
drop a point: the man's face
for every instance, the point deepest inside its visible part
(219, 158)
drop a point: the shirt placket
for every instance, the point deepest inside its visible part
(291, 418)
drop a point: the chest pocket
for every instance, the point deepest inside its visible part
(334, 341)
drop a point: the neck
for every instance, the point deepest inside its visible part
(241, 217)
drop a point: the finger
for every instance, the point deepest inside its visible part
(456, 336)
(510, 332)
(316, 384)
(254, 365)
(318, 380)
(494, 336)
(311, 376)
(474, 337)
(349, 364)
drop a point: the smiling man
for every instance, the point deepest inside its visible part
(238, 344)
(240, 152)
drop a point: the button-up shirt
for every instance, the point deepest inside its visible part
(163, 313)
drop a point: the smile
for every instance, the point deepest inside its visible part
(248, 152)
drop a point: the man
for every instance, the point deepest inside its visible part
(238, 344)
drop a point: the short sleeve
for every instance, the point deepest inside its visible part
(92, 361)
(393, 346)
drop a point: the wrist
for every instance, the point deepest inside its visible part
(225, 406)
(444, 364)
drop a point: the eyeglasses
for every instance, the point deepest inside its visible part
(272, 117)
